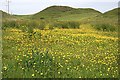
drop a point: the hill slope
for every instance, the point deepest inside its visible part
(66, 13)
(112, 13)
(4, 14)
(110, 17)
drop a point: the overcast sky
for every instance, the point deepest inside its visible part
(25, 7)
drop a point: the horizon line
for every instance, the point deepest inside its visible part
(60, 6)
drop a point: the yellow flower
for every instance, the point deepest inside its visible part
(5, 68)
(113, 76)
(41, 73)
(68, 68)
(18, 49)
(83, 65)
(41, 61)
(101, 74)
(34, 63)
(66, 60)
(34, 66)
(58, 72)
(80, 77)
(33, 75)
(108, 69)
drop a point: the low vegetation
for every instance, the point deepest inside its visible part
(60, 53)
(64, 45)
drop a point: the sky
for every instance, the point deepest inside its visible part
(25, 7)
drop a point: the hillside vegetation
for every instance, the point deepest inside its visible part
(4, 14)
(112, 13)
(61, 42)
(63, 16)
(65, 13)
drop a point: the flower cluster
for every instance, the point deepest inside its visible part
(59, 53)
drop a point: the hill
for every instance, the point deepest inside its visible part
(109, 17)
(57, 15)
(65, 13)
(4, 14)
(112, 13)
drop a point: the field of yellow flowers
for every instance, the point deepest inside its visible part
(59, 53)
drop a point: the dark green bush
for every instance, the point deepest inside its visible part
(104, 27)
(73, 24)
(67, 24)
(29, 25)
(25, 25)
(7, 24)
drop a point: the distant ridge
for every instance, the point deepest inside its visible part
(66, 13)
(57, 12)
(112, 13)
(4, 14)
(59, 8)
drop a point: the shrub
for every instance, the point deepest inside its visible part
(29, 25)
(67, 24)
(73, 24)
(104, 27)
(7, 24)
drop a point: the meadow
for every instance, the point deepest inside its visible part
(60, 53)
(65, 43)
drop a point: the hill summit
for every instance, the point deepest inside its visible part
(112, 13)
(59, 12)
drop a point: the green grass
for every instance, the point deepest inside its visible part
(112, 13)
(65, 13)
(60, 53)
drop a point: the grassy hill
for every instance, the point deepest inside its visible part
(81, 15)
(110, 17)
(52, 12)
(112, 13)
(4, 14)
(7, 16)
(64, 16)
(66, 13)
